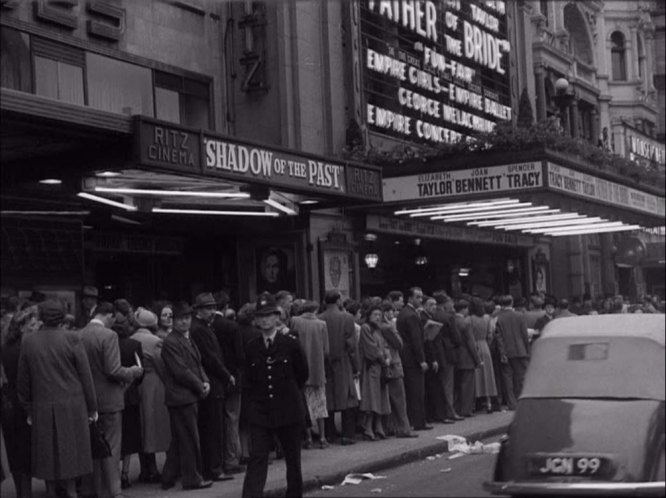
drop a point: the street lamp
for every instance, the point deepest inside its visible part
(563, 99)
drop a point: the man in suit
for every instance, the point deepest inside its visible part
(413, 358)
(468, 360)
(211, 408)
(231, 342)
(343, 366)
(110, 379)
(89, 297)
(513, 348)
(185, 384)
(275, 373)
(450, 343)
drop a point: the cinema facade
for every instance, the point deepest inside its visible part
(211, 154)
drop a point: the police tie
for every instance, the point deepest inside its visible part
(269, 343)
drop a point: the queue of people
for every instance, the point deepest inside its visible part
(218, 392)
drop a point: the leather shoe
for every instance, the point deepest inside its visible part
(167, 485)
(345, 441)
(406, 435)
(448, 421)
(221, 477)
(201, 485)
(458, 417)
(424, 428)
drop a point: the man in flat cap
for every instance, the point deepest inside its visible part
(185, 384)
(275, 373)
(211, 409)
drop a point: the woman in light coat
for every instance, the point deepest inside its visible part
(484, 376)
(155, 425)
(313, 336)
(374, 354)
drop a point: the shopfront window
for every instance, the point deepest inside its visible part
(182, 100)
(15, 67)
(118, 86)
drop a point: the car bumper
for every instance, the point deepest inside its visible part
(578, 489)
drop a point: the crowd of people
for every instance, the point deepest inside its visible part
(219, 390)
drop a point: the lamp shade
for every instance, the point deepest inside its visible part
(371, 259)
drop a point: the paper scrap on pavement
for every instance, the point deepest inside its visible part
(376, 490)
(326, 487)
(492, 448)
(448, 469)
(430, 458)
(358, 478)
(456, 455)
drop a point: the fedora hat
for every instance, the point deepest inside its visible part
(266, 305)
(204, 300)
(181, 309)
(145, 318)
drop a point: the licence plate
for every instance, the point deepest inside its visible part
(582, 466)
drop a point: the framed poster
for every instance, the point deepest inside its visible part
(275, 270)
(540, 273)
(337, 268)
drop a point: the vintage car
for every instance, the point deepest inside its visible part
(590, 418)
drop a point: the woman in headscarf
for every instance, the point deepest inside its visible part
(155, 424)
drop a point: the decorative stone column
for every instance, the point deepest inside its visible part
(541, 104)
(574, 118)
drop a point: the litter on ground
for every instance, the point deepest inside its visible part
(430, 458)
(326, 487)
(448, 469)
(376, 490)
(358, 478)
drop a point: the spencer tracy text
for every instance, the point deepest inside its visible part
(480, 184)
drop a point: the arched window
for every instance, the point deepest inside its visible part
(618, 57)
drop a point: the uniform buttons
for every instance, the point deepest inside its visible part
(270, 387)
(270, 395)
(269, 377)
(269, 367)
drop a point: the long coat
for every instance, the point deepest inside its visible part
(155, 424)
(394, 345)
(56, 387)
(211, 356)
(373, 351)
(484, 377)
(340, 390)
(511, 334)
(468, 358)
(411, 331)
(313, 336)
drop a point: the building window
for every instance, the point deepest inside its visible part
(118, 86)
(641, 55)
(59, 71)
(182, 100)
(618, 57)
(15, 66)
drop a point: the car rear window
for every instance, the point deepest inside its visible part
(593, 351)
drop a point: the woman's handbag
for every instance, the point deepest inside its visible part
(99, 445)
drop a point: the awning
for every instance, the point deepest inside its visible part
(538, 197)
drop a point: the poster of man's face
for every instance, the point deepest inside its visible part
(336, 272)
(275, 269)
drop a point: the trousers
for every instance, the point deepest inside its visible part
(513, 376)
(348, 421)
(415, 395)
(211, 425)
(398, 402)
(261, 444)
(466, 392)
(184, 454)
(232, 445)
(105, 479)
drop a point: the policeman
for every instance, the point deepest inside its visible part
(276, 371)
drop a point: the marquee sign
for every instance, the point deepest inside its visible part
(434, 71)
(170, 147)
(476, 182)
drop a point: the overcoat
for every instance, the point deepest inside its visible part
(155, 424)
(211, 356)
(343, 360)
(411, 331)
(56, 387)
(184, 375)
(274, 378)
(468, 358)
(374, 351)
(511, 334)
(484, 377)
(313, 336)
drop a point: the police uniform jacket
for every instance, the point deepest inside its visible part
(273, 381)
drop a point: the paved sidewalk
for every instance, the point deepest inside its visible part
(327, 466)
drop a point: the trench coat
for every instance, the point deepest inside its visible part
(373, 351)
(155, 423)
(313, 336)
(56, 387)
(343, 361)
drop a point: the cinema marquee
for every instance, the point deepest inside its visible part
(434, 72)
